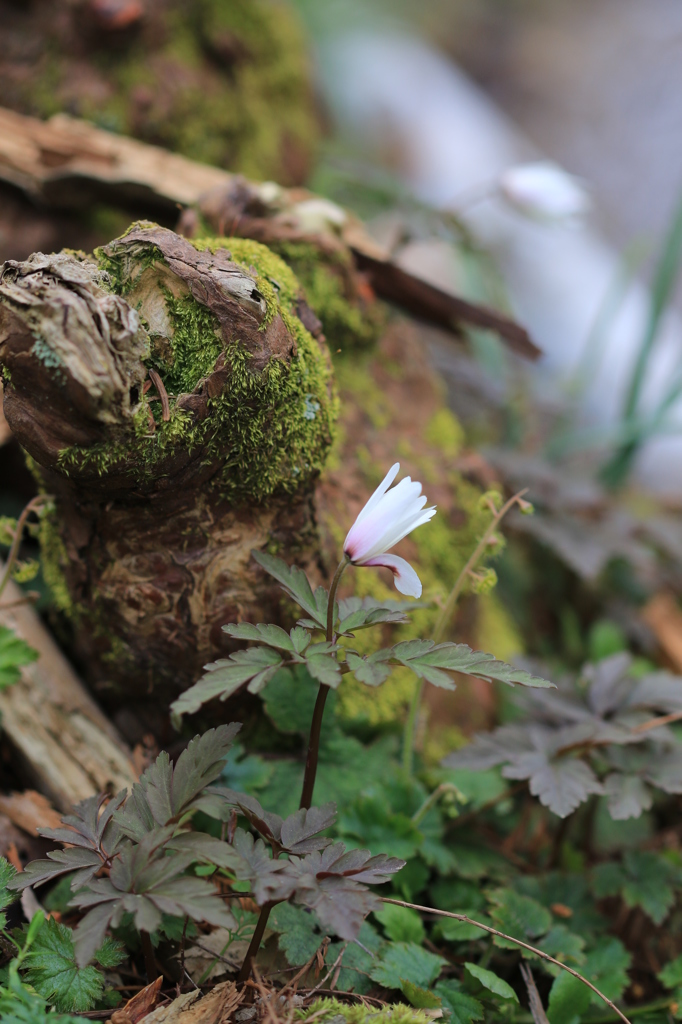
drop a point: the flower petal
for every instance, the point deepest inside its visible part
(404, 577)
(380, 491)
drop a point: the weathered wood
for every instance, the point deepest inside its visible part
(66, 745)
(66, 162)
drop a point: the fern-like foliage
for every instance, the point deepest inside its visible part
(598, 735)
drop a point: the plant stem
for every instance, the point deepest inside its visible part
(316, 724)
(310, 769)
(256, 939)
(148, 953)
(313, 748)
(444, 619)
(32, 506)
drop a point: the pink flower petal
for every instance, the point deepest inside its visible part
(404, 577)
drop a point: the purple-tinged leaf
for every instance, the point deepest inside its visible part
(270, 879)
(300, 831)
(562, 784)
(627, 796)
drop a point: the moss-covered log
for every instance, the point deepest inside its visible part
(177, 400)
(226, 82)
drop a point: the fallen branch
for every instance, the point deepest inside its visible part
(68, 747)
(510, 938)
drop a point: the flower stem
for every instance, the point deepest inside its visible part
(256, 940)
(148, 953)
(444, 619)
(322, 694)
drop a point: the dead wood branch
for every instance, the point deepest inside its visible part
(68, 747)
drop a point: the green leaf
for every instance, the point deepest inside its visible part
(52, 971)
(255, 666)
(299, 935)
(295, 583)
(401, 924)
(361, 613)
(569, 999)
(431, 662)
(460, 931)
(606, 966)
(323, 665)
(372, 670)
(7, 873)
(519, 916)
(564, 945)
(464, 1009)
(289, 700)
(370, 820)
(420, 997)
(14, 652)
(246, 772)
(490, 981)
(671, 975)
(608, 879)
(273, 636)
(111, 953)
(648, 885)
(357, 962)
(405, 961)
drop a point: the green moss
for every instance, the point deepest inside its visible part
(272, 430)
(346, 324)
(54, 559)
(360, 1013)
(225, 82)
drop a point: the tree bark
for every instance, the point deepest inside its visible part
(176, 407)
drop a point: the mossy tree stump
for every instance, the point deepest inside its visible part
(177, 400)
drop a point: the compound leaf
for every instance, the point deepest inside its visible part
(295, 583)
(300, 831)
(54, 973)
(255, 666)
(627, 796)
(561, 784)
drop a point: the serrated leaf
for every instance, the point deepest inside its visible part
(289, 699)
(518, 915)
(370, 820)
(419, 997)
(671, 975)
(53, 972)
(14, 654)
(300, 831)
(401, 924)
(295, 583)
(266, 822)
(86, 864)
(561, 784)
(270, 879)
(648, 884)
(606, 967)
(372, 670)
(166, 793)
(607, 880)
(464, 1009)
(299, 936)
(357, 961)
(490, 981)
(431, 662)
(111, 953)
(323, 666)
(627, 796)
(569, 999)
(7, 874)
(264, 633)
(255, 666)
(405, 961)
(489, 749)
(564, 945)
(361, 613)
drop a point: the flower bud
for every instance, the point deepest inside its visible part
(544, 191)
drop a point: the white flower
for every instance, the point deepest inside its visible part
(544, 191)
(387, 517)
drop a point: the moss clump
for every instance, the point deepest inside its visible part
(350, 322)
(271, 430)
(226, 82)
(330, 1010)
